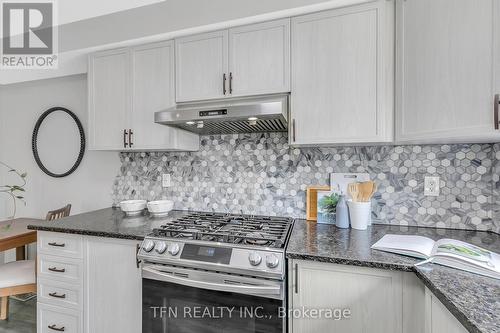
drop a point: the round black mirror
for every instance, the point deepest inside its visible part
(58, 142)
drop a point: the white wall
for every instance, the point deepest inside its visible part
(89, 187)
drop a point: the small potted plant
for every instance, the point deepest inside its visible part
(327, 207)
(15, 192)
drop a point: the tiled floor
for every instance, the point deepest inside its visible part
(22, 317)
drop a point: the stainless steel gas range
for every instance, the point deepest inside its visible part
(208, 272)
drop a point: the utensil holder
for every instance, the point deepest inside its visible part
(359, 212)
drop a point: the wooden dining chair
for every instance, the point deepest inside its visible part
(19, 277)
(58, 213)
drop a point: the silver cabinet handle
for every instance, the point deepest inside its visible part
(230, 83)
(224, 84)
(293, 130)
(495, 110)
(125, 138)
(130, 143)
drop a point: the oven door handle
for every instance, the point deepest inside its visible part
(150, 273)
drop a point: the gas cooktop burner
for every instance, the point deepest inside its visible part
(225, 228)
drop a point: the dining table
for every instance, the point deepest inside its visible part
(14, 234)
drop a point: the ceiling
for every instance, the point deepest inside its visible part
(77, 10)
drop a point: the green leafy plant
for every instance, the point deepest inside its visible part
(328, 203)
(16, 191)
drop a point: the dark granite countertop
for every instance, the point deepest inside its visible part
(108, 222)
(473, 299)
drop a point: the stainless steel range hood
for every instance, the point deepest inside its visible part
(250, 115)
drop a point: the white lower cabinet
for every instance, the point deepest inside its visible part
(51, 319)
(376, 301)
(113, 286)
(97, 292)
(372, 297)
(438, 319)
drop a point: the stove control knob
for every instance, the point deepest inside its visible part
(254, 258)
(160, 247)
(272, 261)
(173, 249)
(148, 245)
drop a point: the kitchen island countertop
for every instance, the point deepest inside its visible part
(473, 299)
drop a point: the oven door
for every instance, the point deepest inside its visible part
(186, 300)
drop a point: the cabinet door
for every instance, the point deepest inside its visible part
(342, 65)
(438, 319)
(373, 297)
(113, 286)
(259, 58)
(446, 70)
(109, 98)
(153, 90)
(201, 65)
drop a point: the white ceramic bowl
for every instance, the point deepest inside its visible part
(160, 207)
(133, 207)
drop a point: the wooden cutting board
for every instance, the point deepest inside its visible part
(312, 201)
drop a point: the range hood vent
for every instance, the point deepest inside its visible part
(251, 115)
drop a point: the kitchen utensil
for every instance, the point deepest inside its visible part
(353, 190)
(133, 207)
(359, 213)
(312, 201)
(160, 208)
(366, 190)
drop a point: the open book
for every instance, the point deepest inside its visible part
(447, 252)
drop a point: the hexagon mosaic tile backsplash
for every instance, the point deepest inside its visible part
(262, 174)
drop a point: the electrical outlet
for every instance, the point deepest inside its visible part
(165, 180)
(431, 186)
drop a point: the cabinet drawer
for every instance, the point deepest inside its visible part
(59, 244)
(60, 294)
(61, 269)
(53, 319)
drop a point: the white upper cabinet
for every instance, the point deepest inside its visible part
(153, 90)
(243, 61)
(342, 75)
(126, 88)
(448, 70)
(109, 96)
(201, 66)
(259, 58)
